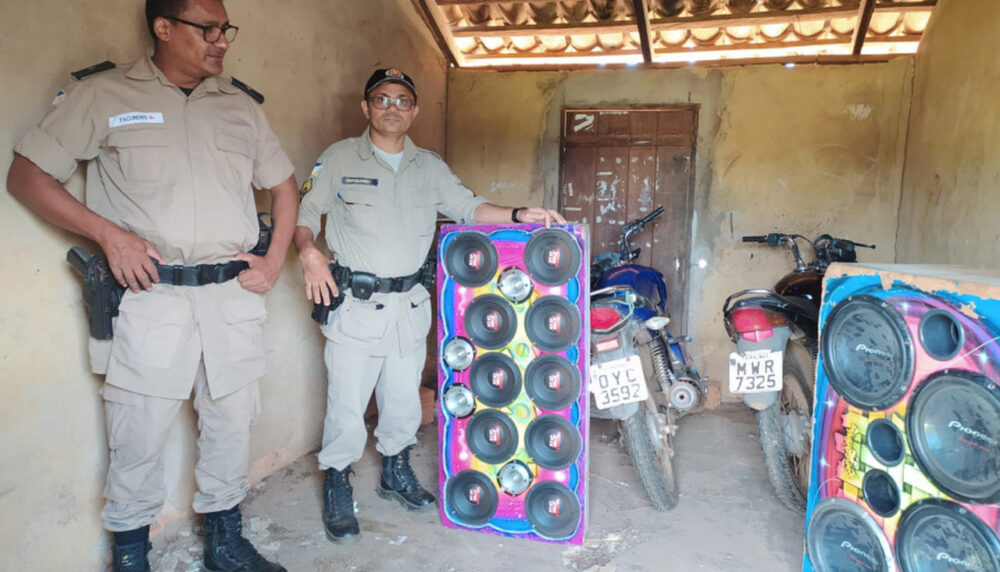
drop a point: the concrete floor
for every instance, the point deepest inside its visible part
(727, 517)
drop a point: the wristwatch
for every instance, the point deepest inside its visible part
(513, 213)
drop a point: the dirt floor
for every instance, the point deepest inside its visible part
(727, 517)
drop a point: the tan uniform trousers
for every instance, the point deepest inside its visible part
(386, 367)
(138, 426)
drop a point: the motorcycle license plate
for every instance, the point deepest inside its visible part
(618, 382)
(755, 372)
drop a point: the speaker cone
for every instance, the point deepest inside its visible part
(939, 535)
(458, 354)
(867, 353)
(458, 401)
(495, 379)
(471, 498)
(552, 323)
(552, 382)
(953, 426)
(514, 478)
(552, 509)
(492, 436)
(553, 442)
(552, 256)
(471, 259)
(515, 285)
(842, 536)
(490, 321)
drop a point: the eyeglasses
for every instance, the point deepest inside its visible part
(211, 33)
(384, 101)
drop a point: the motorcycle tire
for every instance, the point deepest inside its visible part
(651, 450)
(784, 428)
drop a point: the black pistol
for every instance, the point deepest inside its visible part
(101, 292)
(321, 312)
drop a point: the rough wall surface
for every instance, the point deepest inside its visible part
(951, 181)
(310, 59)
(806, 150)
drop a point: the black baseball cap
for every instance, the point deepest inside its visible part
(390, 75)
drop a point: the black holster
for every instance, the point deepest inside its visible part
(101, 292)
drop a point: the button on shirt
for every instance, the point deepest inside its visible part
(177, 171)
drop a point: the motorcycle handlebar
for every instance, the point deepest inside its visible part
(651, 216)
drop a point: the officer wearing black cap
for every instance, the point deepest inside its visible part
(381, 195)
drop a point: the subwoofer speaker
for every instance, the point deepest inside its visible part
(513, 315)
(906, 427)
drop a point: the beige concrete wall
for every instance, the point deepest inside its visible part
(310, 58)
(951, 182)
(806, 150)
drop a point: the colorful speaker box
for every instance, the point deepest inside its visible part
(906, 437)
(513, 349)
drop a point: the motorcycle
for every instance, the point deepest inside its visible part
(641, 375)
(776, 333)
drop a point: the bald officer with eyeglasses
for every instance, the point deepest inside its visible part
(172, 151)
(381, 195)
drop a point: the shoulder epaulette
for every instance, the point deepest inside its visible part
(256, 95)
(103, 66)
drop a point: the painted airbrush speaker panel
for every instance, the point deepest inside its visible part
(906, 436)
(513, 347)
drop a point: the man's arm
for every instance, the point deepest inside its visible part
(264, 270)
(320, 286)
(128, 255)
(488, 213)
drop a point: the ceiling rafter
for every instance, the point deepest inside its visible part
(641, 11)
(476, 32)
(865, 12)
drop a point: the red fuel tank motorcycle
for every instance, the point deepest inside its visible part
(774, 368)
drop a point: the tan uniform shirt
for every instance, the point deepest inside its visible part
(176, 170)
(382, 221)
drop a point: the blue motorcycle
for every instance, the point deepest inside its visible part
(640, 374)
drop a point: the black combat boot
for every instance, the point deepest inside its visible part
(338, 506)
(130, 551)
(225, 548)
(399, 483)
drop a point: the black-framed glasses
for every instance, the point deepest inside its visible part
(211, 32)
(384, 101)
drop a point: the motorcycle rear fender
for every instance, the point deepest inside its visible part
(776, 342)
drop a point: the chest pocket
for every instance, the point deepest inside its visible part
(142, 155)
(425, 212)
(236, 159)
(361, 208)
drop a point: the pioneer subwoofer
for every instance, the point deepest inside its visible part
(513, 315)
(906, 435)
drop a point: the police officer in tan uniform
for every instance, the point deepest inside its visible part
(172, 150)
(381, 195)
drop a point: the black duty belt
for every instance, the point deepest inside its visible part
(364, 284)
(201, 274)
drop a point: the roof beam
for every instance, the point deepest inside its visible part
(681, 23)
(641, 8)
(865, 12)
(438, 26)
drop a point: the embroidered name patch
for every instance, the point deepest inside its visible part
(359, 181)
(133, 118)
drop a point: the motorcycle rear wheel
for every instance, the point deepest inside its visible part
(784, 431)
(649, 439)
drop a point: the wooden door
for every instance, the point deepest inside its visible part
(618, 165)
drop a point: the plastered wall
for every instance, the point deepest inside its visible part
(807, 150)
(310, 58)
(951, 181)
